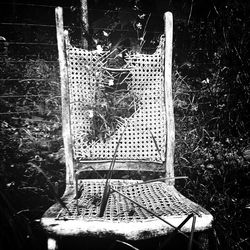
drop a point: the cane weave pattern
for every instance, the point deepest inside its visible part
(144, 132)
(162, 199)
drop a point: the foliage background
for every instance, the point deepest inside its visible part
(211, 95)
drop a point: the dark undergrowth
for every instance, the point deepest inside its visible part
(212, 103)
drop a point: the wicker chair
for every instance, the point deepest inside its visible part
(125, 209)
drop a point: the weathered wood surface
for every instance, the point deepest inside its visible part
(168, 31)
(125, 229)
(64, 96)
(120, 165)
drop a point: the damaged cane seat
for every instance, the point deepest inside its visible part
(124, 219)
(142, 140)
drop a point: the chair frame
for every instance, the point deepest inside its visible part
(71, 165)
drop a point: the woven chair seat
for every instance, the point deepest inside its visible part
(123, 217)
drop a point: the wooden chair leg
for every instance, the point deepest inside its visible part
(52, 244)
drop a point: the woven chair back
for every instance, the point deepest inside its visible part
(137, 89)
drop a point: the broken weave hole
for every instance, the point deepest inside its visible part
(115, 101)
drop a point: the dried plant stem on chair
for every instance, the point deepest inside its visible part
(177, 229)
(77, 193)
(107, 187)
(156, 145)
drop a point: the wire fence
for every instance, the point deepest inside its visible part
(16, 28)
